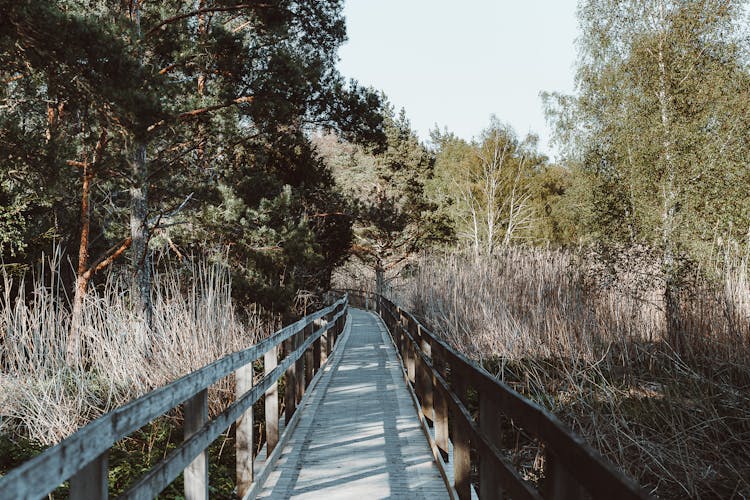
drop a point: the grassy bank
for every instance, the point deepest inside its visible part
(586, 337)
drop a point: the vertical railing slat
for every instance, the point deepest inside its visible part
(92, 482)
(244, 433)
(461, 458)
(559, 484)
(270, 361)
(290, 381)
(489, 414)
(317, 350)
(440, 402)
(300, 364)
(196, 474)
(425, 378)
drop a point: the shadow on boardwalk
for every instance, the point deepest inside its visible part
(359, 434)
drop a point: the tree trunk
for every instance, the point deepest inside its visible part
(73, 347)
(83, 272)
(139, 254)
(669, 265)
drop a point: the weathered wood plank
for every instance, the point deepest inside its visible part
(300, 367)
(244, 433)
(290, 383)
(489, 424)
(92, 482)
(270, 361)
(425, 377)
(440, 404)
(382, 454)
(461, 458)
(196, 473)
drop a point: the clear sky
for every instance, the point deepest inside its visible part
(454, 63)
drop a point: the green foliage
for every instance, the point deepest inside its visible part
(561, 201)
(385, 185)
(660, 121)
(221, 101)
(498, 189)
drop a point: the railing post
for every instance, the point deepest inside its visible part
(559, 484)
(92, 482)
(410, 352)
(327, 338)
(244, 432)
(309, 356)
(439, 402)
(424, 380)
(270, 361)
(317, 351)
(461, 457)
(300, 364)
(489, 412)
(399, 331)
(290, 381)
(196, 474)
(461, 446)
(337, 326)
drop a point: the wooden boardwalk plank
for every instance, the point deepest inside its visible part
(358, 434)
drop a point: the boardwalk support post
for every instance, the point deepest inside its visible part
(440, 402)
(290, 382)
(300, 366)
(411, 361)
(309, 357)
(424, 380)
(489, 413)
(244, 433)
(92, 481)
(559, 484)
(317, 350)
(461, 458)
(327, 338)
(196, 474)
(271, 403)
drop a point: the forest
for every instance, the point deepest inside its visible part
(180, 178)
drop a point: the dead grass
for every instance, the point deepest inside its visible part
(44, 399)
(585, 337)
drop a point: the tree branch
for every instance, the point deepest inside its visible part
(201, 111)
(108, 257)
(206, 10)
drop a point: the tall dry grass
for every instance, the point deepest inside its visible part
(45, 399)
(586, 337)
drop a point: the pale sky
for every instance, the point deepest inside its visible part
(454, 63)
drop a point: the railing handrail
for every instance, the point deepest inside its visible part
(44, 473)
(577, 463)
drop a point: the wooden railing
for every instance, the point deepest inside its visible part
(445, 381)
(82, 457)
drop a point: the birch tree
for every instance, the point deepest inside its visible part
(487, 183)
(661, 117)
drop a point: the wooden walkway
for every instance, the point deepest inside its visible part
(358, 435)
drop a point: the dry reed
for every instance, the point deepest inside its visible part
(585, 337)
(45, 399)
